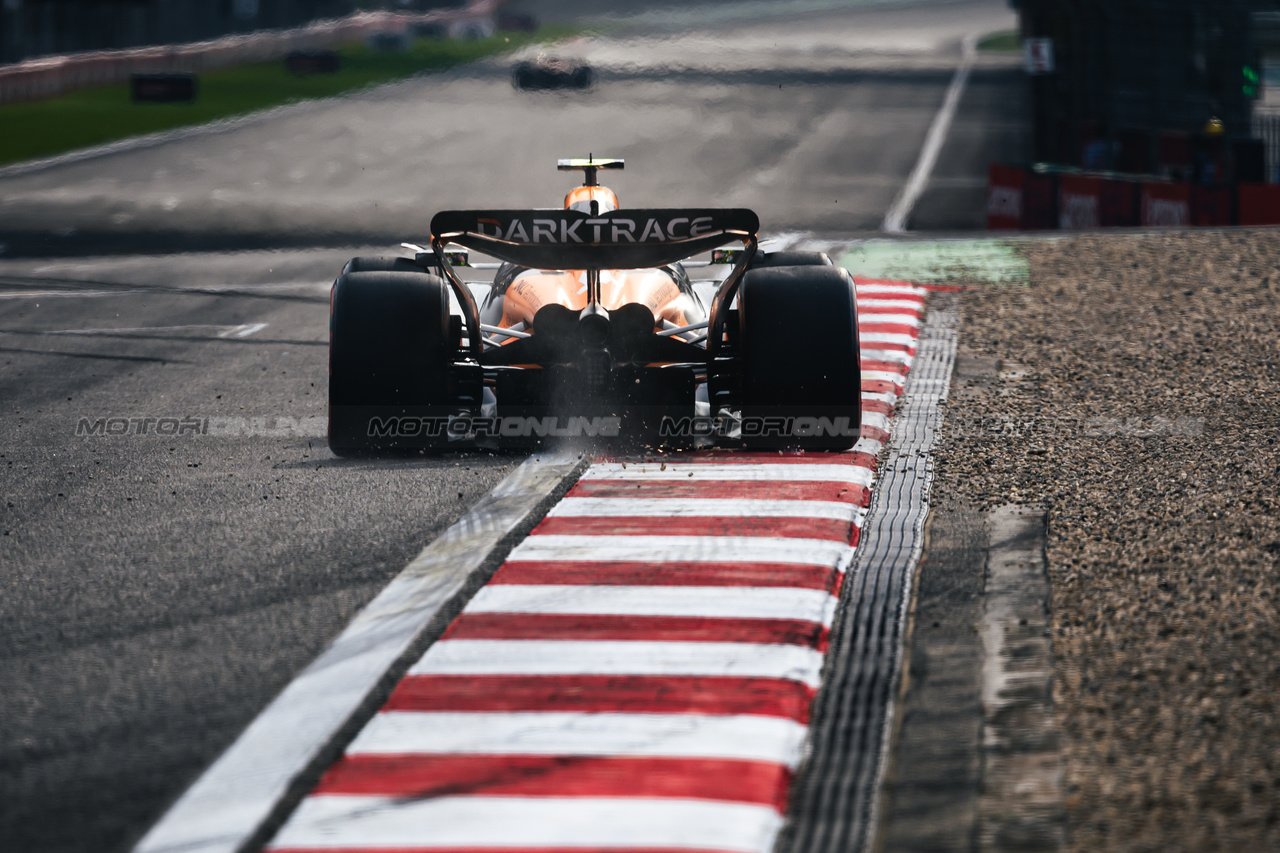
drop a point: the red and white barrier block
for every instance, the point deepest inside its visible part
(638, 674)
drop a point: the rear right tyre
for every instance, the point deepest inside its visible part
(800, 363)
(793, 259)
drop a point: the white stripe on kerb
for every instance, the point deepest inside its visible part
(887, 399)
(899, 291)
(882, 376)
(621, 657)
(905, 340)
(876, 420)
(905, 288)
(702, 508)
(815, 473)
(715, 602)
(890, 355)
(905, 304)
(665, 549)
(890, 297)
(746, 737)
(899, 319)
(523, 822)
(868, 446)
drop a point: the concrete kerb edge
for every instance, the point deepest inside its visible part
(945, 319)
(835, 797)
(1021, 805)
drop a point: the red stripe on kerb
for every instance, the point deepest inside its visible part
(627, 573)
(887, 329)
(786, 528)
(422, 776)
(603, 694)
(887, 366)
(690, 629)
(875, 434)
(910, 348)
(879, 386)
(878, 407)
(868, 310)
(778, 490)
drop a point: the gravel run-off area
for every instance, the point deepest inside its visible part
(1138, 401)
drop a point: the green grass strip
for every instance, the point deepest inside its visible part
(938, 262)
(1002, 41)
(97, 116)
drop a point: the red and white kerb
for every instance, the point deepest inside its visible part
(638, 675)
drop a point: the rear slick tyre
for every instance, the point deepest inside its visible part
(388, 361)
(381, 264)
(792, 259)
(801, 365)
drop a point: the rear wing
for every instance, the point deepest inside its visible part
(573, 240)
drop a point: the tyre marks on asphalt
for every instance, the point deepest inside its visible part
(638, 674)
(199, 330)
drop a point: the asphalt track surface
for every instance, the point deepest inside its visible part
(160, 589)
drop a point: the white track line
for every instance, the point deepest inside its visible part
(218, 289)
(243, 330)
(895, 221)
(746, 737)
(527, 822)
(225, 806)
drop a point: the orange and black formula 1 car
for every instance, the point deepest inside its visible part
(549, 72)
(591, 327)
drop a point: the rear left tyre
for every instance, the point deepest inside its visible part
(381, 264)
(388, 361)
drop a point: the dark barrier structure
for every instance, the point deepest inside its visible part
(163, 88)
(300, 63)
(1132, 85)
(305, 50)
(1143, 114)
(1045, 197)
(1258, 204)
(31, 28)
